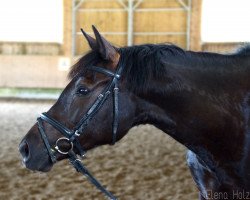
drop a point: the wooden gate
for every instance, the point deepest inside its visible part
(128, 22)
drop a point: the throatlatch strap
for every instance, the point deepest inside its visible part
(45, 140)
(115, 112)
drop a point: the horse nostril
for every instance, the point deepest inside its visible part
(24, 150)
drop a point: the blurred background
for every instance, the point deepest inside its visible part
(41, 39)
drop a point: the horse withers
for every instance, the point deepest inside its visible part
(200, 99)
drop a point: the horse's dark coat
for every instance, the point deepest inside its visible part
(201, 99)
(208, 96)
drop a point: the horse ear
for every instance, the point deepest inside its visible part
(107, 51)
(92, 42)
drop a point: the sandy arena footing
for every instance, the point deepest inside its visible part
(145, 165)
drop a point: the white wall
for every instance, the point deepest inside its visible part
(31, 20)
(225, 21)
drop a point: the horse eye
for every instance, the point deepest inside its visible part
(82, 91)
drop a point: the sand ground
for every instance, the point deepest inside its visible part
(145, 165)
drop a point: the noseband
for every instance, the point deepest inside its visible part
(70, 136)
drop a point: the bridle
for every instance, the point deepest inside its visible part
(70, 136)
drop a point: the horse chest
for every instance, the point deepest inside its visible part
(216, 181)
(203, 177)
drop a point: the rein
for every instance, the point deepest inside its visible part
(70, 136)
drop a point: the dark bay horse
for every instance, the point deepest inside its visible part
(200, 99)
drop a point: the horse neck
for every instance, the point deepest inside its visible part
(211, 72)
(199, 104)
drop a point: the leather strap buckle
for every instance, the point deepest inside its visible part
(77, 133)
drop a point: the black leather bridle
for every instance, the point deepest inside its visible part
(70, 136)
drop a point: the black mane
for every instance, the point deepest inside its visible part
(90, 59)
(243, 50)
(143, 63)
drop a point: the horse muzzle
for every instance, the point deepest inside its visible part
(32, 158)
(24, 151)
